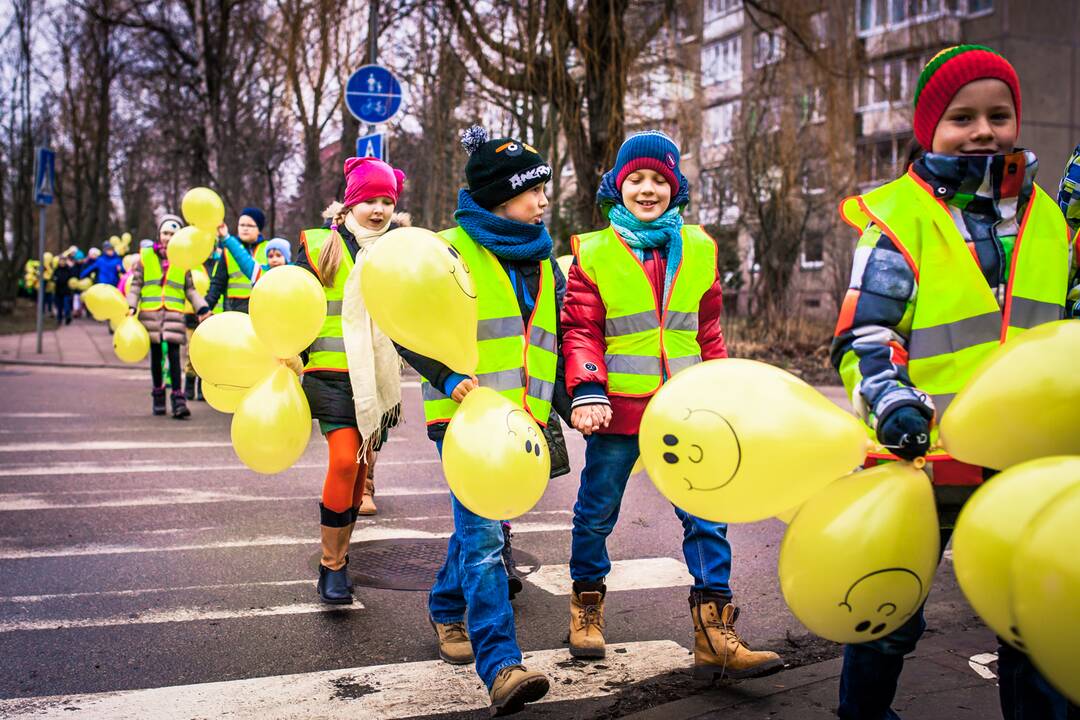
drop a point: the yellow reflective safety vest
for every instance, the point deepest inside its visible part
(239, 286)
(516, 360)
(957, 321)
(156, 294)
(327, 351)
(647, 343)
(219, 307)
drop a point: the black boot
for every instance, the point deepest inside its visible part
(179, 405)
(513, 580)
(158, 394)
(189, 387)
(198, 389)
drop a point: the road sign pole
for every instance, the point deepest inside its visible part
(373, 46)
(41, 277)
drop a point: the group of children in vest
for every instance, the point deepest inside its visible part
(643, 301)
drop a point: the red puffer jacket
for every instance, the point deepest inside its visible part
(583, 342)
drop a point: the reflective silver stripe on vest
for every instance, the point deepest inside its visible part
(630, 324)
(1027, 313)
(681, 363)
(541, 390)
(675, 320)
(328, 344)
(511, 379)
(333, 307)
(237, 274)
(541, 338)
(498, 328)
(175, 285)
(952, 337)
(429, 392)
(633, 364)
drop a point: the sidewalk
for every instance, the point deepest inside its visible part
(940, 682)
(84, 343)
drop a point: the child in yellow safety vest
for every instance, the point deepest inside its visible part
(643, 302)
(352, 374)
(501, 238)
(158, 293)
(958, 254)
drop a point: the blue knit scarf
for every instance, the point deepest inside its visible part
(664, 233)
(508, 239)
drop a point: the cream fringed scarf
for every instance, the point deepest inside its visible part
(374, 365)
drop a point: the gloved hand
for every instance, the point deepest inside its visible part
(905, 432)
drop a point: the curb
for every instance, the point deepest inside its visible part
(61, 364)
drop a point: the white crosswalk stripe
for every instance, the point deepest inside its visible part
(639, 574)
(380, 692)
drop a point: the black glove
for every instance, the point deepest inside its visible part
(905, 432)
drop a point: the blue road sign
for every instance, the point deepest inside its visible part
(373, 94)
(44, 176)
(370, 146)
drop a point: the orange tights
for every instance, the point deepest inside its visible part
(345, 477)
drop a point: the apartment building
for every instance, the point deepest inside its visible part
(723, 47)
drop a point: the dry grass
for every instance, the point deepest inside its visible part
(22, 318)
(798, 345)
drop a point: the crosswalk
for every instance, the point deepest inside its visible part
(154, 576)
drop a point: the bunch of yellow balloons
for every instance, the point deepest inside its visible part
(193, 243)
(243, 362)
(121, 243)
(105, 302)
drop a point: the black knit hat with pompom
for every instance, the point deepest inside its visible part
(500, 169)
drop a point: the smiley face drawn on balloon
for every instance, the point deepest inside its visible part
(686, 450)
(519, 424)
(459, 262)
(875, 599)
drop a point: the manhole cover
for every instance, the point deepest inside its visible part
(406, 564)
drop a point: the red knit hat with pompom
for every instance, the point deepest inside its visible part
(947, 72)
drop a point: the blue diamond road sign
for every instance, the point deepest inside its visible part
(373, 94)
(370, 146)
(44, 176)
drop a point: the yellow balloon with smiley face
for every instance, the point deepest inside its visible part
(738, 440)
(420, 293)
(857, 559)
(495, 458)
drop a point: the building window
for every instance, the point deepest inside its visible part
(880, 160)
(879, 15)
(720, 123)
(721, 60)
(813, 251)
(715, 9)
(814, 176)
(819, 28)
(768, 48)
(980, 6)
(889, 82)
(812, 103)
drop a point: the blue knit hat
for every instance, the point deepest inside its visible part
(648, 150)
(255, 214)
(282, 246)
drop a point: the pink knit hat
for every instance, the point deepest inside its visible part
(367, 178)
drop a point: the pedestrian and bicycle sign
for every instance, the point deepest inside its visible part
(44, 176)
(373, 145)
(373, 94)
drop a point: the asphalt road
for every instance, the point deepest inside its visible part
(139, 561)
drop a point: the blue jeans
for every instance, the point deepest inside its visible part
(871, 671)
(608, 462)
(64, 307)
(472, 582)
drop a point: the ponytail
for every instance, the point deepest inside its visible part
(332, 249)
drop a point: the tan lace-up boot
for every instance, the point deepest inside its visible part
(513, 687)
(587, 624)
(719, 651)
(454, 645)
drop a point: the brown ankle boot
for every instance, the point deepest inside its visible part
(454, 644)
(718, 650)
(513, 687)
(587, 624)
(367, 500)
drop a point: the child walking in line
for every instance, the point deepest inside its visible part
(501, 237)
(643, 302)
(961, 252)
(352, 377)
(158, 291)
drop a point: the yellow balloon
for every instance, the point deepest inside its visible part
(131, 342)
(857, 560)
(990, 528)
(1046, 585)
(48, 257)
(223, 398)
(189, 247)
(126, 237)
(272, 423)
(738, 440)
(565, 261)
(202, 207)
(84, 284)
(114, 240)
(420, 293)
(1022, 403)
(287, 308)
(73, 283)
(225, 351)
(105, 302)
(495, 458)
(200, 279)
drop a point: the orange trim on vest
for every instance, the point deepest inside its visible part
(844, 217)
(892, 236)
(1006, 312)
